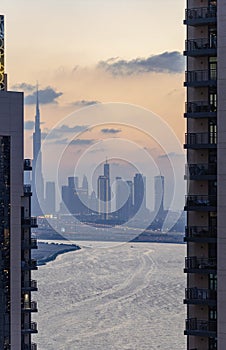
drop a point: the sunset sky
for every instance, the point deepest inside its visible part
(84, 52)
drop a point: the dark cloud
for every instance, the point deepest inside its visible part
(24, 87)
(110, 131)
(168, 62)
(62, 141)
(29, 125)
(76, 142)
(82, 142)
(171, 155)
(84, 103)
(57, 133)
(48, 95)
(66, 128)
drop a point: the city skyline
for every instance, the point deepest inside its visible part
(98, 69)
(82, 74)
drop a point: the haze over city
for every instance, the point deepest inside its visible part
(87, 54)
(94, 97)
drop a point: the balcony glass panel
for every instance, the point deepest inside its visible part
(192, 324)
(203, 43)
(200, 170)
(200, 231)
(201, 201)
(201, 15)
(200, 294)
(200, 107)
(199, 77)
(194, 262)
(204, 138)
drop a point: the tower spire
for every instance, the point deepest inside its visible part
(37, 116)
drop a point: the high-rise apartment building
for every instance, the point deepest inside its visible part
(50, 198)
(124, 199)
(159, 195)
(205, 142)
(16, 285)
(139, 192)
(104, 193)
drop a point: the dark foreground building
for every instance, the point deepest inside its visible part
(205, 142)
(16, 243)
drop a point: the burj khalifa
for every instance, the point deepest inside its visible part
(37, 177)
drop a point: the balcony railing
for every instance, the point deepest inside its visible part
(200, 295)
(206, 77)
(33, 346)
(29, 265)
(200, 15)
(30, 306)
(30, 285)
(200, 109)
(201, 140)
(204, 327)
(201, 232)
(30, 244)
(201, 47)
(29, 222)
(195, 263)
(200, 201)
(27, 164)
(200, 171)
(30, 328)
(27, 190)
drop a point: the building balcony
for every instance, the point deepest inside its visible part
(27, 165)
(33, 346)
(31, 286)
(200, 140)
(29, 222)
(201, 78)
(30, 328)
(30, 244)
(201, 16)
(27, 191)
(200, 109)
(200, 327)
(201, 47)
(29, 265)
(201, 202)
(193, 264)
(200, 234)
(30, 306)
(200, 296)
(201, 171)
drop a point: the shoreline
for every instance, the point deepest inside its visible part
(47, 252)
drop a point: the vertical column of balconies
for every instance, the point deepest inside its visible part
(201, 174)
(28, 264)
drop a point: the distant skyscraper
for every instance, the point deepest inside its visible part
(16, 264)
(37, 177)
(104, 192)
(50, 199)
(124, 199)
(73, 182)
(93, 202)
(85, 185)
(139, 192)
(159, 195)
(106, 169)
